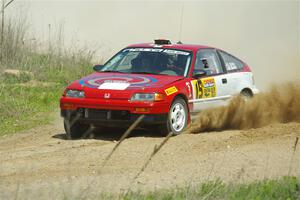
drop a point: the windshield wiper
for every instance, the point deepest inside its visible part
(112, 71)
(144, 73)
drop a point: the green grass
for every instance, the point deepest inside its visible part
(286, 188)
(28, 98)
(26, 101)
(24, 107)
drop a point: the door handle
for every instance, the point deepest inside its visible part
(224, 80)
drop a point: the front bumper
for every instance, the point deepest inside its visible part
(67, 103)
(112, 118)
(113, 112)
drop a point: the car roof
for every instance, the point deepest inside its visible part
(187, 47)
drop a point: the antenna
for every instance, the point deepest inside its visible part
(181, 21)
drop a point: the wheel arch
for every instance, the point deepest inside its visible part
(181, 95)
(248, 90)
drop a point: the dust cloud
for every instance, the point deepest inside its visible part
(281, 104)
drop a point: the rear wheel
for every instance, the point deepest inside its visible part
(75, 130)
(177, 118)
(246, 94)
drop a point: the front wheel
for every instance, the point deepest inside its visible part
(177, 118)
(75, 130)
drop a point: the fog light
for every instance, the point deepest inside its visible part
(142, 110)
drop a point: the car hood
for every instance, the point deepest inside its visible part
(121, 86)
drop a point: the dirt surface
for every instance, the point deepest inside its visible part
(41, 162)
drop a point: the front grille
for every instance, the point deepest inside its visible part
(95, 114)
(107, 114)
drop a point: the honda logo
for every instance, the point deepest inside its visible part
(106, 95)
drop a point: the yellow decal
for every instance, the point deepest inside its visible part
(171, 90)
(204, 88)
(209, 87)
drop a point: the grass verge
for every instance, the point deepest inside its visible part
(285, 188)
(26, 99)
(23, 107)
(33, 77)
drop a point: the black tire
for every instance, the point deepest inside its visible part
(178, 111)
(246, 94)
(76, 130)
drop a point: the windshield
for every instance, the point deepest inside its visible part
(150, 61)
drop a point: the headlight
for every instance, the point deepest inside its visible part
(75, 93)
(147, 97)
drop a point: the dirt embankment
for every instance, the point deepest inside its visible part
(280, 105)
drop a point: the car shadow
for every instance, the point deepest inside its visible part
(114, 134)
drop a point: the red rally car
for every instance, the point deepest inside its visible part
(165, 82)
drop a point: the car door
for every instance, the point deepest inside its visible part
(210, 84)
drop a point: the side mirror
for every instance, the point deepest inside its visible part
(98, 67)
(199, 74)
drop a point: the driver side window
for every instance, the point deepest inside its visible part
(208, 61)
